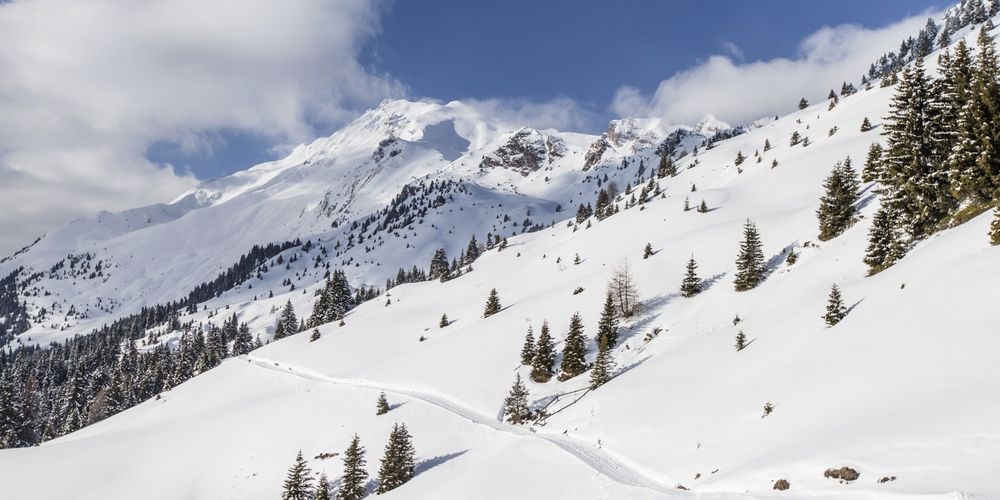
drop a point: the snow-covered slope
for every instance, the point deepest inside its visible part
(904, 388)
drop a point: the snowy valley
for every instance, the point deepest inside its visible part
(386, 240)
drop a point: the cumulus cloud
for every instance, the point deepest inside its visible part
(87, 87)
(739, 92)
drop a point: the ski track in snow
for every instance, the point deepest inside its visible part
(596, 458)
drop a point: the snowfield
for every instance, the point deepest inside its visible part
(905, 387)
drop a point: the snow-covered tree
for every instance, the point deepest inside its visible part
(298, 481)
(492, 304)
(397, 464)
(545, 356)
(691, 284)
(382, 405)
(528, 349)
(835, 310)
(515, 406)
(574, 359)
(750, 261)
(352, 483)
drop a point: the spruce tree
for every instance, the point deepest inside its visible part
(398, 461)
(602, 207)
(647, 251)
(872, 170)
(691, 284)
(289, 323)
(298, 480)
(995, 227)
(835, 310)
(607, 326)
(574, 360)
(322, 488)
(545, 356)
(439, 265)
(382, 405)
(741, 341)
(352, 484)
(866, 125)
(803, 103)
(666, 166)
(974, 162)
(836, 208)
(515, 405)
(703, 207)
(604, 367)
(884, 246)
(13, 421)
(750, 261)
(315, 335)
(444, 321)
(492, 304)
(528, 349)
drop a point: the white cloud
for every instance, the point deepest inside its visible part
(88, 86)
(738, 92)
(560, 113)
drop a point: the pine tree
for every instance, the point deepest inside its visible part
(398, 461)
(439, 265)
(382, 405)
(492, 304)
(352, 484)
(243, 343)
(884, 247)
(528, 349)
(515, 405)
(472, 251)
(866, 125)
(574, 360)
(298, 481)
(995, 227)
(796, 138)
(750, 261)
(545, 356)
(444, 321)
(604, 367)
(322, 488)
(691, 284)
(836, 207)
(835, 310)
(603, 205)
(13, 421)
(315, 335)
(872, 170)
(703, 207)
(915, 184)
(647, 251)
(741, 341)
(767, 145)
(739, 158)
(974, 162)
(667, 167)
(803, 103)
(607, 327)
(289, 323)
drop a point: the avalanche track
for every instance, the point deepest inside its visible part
(602, 461)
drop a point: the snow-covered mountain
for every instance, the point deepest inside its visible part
(902, 390)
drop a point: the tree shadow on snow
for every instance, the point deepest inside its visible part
(428, 464)
(849, 309)
(710, 282)
(396, 405)
(775, 261)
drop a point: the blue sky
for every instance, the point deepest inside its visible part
(583, 50)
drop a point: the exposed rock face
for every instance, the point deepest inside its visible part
(525, 152)
(595, 153)
(781, 485)
(387, 148)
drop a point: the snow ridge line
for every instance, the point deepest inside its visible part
(598, 459)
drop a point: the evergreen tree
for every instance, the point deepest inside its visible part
(915, 184)
(703, 207)
(741, 341)
(492, 304)
(796, 138)
(298, 480)
(835, 310)
(667, 167)
(381, 405)
(322, 488)
(444, 321)
(515, 405)
(545, 356)
(739, 158)
(691, 284)
(767, 145)
(439, 265)
(607, 327)
(602, 207)
(472, 251)
(315, 335)
(352, 484)
(836, 207)
(750, 261)
(288, 324)
(884, 247)
(803, 103)
(866, 125)
(604, 367)
(13, 421)
(398, 461)
(995, 227)
(647, 251)
(574, 360)
(243, 343)
(974, 162)
(583, 212)
(872, 170)
(528, 349)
